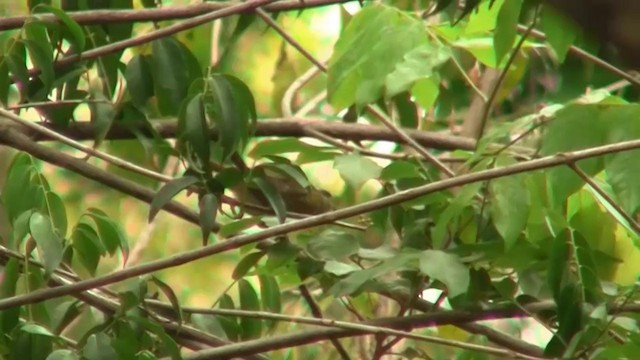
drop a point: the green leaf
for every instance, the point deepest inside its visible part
(425, 91)
(71, 27)
(110, 233)
(446, 268)
(589, 281)
(103, 113)
(57, 212)
(168, 191)
(282, 146)
(400, 169)
(172, 76)
(560, 32)
(419, 63)
(251, 328)
(139, 79)
(339, 268)
(587, 130)
(171, 295)
(63, 354)
(507, 27)
(289, 171)
(279, 255)
(48, 241)
(40, 50)
(356, 170)
(452, 212)
(17, 63)
(484, 19)
(333, 244)
(37, 330)
(229, 104)
(87, 247)
(509, 205)
(273, 197)
(208, 212)
(193, 133)
(245, 264)
(270, 295)
(558, 261)
(168, 344)
(354, 282)
(27, 345)
(368, 51)
(229, 323)
(622, 167)
(237, 226)
(98, 346)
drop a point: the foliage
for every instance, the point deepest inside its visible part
(324, 211)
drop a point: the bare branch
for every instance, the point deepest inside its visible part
(281, 127)
(104, 17)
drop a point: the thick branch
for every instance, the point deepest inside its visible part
(404, 323)
(103, 17)
(287, 127)
(11, 137)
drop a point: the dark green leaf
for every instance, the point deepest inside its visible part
(193, 130)
(71, 26)
(558, 261)
(139, 79)
(273, 197)
(270, 295)
(110, 233)
(208, 213)
(229, 104)
(230, 324)
(167, 192)
(251, 328)
(170, 294)
(245, 264)
(87, 247)
(171, 74)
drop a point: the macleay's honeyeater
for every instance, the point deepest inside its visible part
(298, 199)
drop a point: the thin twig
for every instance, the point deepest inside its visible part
(287, 99)
(317, 313)
(107, 16)
(114, 160)
(488, 106)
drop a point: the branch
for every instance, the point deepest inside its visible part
(283, 127)
(104, 17)
(309, 222)
(10, 136)
(404, 323)
(156, 34)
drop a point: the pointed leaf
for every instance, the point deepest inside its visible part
(48, 242)
(208, 213)
(356, 170)
(167, 192)
(251, 328)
